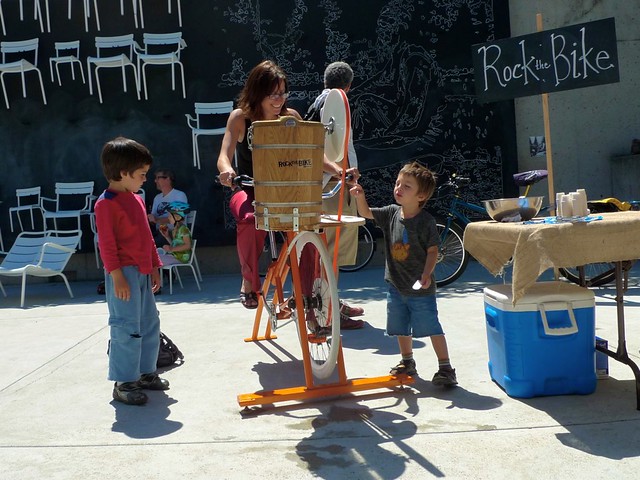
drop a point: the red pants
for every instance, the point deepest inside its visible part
(249, 241)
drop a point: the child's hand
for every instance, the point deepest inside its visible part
(425, 281)
(166, 248)
(155, 280)
(121, 287)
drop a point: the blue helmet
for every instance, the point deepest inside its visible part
(178, 208)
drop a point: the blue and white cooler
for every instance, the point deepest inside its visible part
(545, 344)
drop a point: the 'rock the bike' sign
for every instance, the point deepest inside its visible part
(561, 59)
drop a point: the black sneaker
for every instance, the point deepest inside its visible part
(406, 367)
(129, 393)
(445, 377)
(152, 381)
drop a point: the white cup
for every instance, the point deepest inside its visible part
(559, 196)
(582, 202)
(566, 206)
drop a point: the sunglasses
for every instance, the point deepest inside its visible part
(276, 96)
(161, 176)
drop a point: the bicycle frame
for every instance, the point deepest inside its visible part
(455, 212)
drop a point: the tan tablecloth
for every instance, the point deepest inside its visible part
(538, 247)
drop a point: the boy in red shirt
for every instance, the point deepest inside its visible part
(131, 264)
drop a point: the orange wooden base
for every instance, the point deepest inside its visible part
(267, 397)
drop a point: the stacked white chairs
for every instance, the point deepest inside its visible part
(121, 43)
(29, 200)
(21, 66)
(39, 254)
(72, 201)
(219, 110)
(66, 52)
(150, 54)
(168, 7)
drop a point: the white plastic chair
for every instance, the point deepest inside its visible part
(4, 29)
(21, 66)
(191, 223)
(121, 60)
(215, 109)
(70, 58)
(147, 56)
(37, 15)
(190, 264)
(28, 200)
(168, 7)
(87, 12)
(39, 254)
(79, 196)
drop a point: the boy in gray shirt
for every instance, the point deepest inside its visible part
(411, 247)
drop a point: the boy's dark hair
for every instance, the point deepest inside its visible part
(425, 178)
(123, 155)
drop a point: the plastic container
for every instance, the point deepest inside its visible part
(602, 359)
(545, 344)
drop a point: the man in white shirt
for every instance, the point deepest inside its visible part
(340, 75)
(159, 215)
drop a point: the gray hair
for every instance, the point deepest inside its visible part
(338, 75)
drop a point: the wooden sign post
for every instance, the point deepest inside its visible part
(547, 137)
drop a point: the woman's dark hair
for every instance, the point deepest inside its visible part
(264, 79)
(123, 155)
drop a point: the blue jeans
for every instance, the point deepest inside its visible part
(412, 316)
(135, 328)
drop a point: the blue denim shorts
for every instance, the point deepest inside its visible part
(412, 316)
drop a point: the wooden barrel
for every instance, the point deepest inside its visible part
(287, 173)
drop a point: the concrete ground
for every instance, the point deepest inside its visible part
(57, 419)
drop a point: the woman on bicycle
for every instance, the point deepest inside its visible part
(264, 97)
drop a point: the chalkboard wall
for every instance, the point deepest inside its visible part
(412, 98)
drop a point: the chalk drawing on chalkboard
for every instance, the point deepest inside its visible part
(537, 146)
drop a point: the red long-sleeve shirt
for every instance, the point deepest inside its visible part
(124, 236)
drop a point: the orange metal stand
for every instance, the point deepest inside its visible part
(276, 276)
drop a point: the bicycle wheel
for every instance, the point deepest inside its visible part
(595, 274)
(366, 248)
(452, 257)
(266, 257)
(323, 335)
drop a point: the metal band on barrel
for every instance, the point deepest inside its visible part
(288, 204)
(287, 146)
(286, 184)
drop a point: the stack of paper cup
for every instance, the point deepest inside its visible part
(572, 204)
(579, 200)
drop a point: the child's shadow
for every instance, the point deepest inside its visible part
(147, 421)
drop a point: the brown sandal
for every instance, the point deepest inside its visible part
(249, 300)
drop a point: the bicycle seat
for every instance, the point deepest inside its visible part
(524, 179)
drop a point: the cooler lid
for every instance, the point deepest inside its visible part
(541, 292)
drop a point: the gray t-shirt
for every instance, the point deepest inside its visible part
(406, 242)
